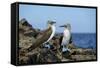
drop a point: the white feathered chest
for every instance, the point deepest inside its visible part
(66, 37)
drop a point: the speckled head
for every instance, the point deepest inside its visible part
(51, 22)
(68, 26)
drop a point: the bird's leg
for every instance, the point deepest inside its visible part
(68, 50)
(64, 48)
(43, 44)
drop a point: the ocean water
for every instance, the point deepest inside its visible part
(84, 40)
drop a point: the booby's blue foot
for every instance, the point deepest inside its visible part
(47, 46)
(65, 49)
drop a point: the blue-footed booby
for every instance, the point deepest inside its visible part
(53, 28)
(66, 39)
(45, 36)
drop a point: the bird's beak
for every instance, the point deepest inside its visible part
(53, 22)
(62, 26)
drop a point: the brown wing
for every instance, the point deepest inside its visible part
(70, 41)
(41, 39)
(60, 40)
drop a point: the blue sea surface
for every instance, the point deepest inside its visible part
(84, 40)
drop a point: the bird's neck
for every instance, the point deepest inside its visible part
(50, 26)
(52, 34)
(66, 31)
(53, 28)
(65, 28)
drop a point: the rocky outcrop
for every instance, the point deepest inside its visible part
(28, 35)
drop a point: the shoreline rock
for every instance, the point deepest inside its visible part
(28, 35)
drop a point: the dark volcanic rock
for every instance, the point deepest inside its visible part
(27, 37)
